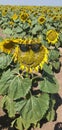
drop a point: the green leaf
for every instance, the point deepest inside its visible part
(35, 109)
(10, 107)
(7, 31)
(56, 65)
(1, 21)
(47, 69)
(26, 26)
(2, 101)
(19, 105)
(5, 60)
(34, 22)
(22, 34)
(48, 26)
(34, 31)
(45, 43)
(56, 24)
(19, 123)
(54, 55)
(18, 30)
(4, 87)
(16, 21)
(51, 115)
(19, 87)
(57, 45)
(60, 36)
(36, 28)
(51, 112)
(1, 38)
(5, 80)
(49, 85)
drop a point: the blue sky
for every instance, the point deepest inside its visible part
(32, 2)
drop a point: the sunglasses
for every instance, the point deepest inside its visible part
(34, 47)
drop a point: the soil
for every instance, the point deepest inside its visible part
(53, 125)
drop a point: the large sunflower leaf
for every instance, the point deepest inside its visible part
(4, 87)
(35, 108)
(5, 60)
(49, 85)
(19, 87)
(5, 80)
(9, 105)
(19, 105)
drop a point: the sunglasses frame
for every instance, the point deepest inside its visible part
(27, 47)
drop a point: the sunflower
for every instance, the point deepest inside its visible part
(4, 12)
(55, 18)
(6, 46)
(31, 60)
(15, 16)
(52, 36)
(41, 19)
(29, 22)
(11, 23)
(24, 16)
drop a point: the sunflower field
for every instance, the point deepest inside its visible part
(30, 38)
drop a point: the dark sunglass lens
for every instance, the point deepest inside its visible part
(24, 47)
(36, 47)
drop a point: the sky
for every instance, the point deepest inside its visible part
(32, 2)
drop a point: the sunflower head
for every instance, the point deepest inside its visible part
(15, 16)
(4, 12)
(52, 36)
(31, 57)
(41, 19)
(24, 16)
(29, 53)
(11, 23)
(55, 18)
(6, 46)
(29, 22)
